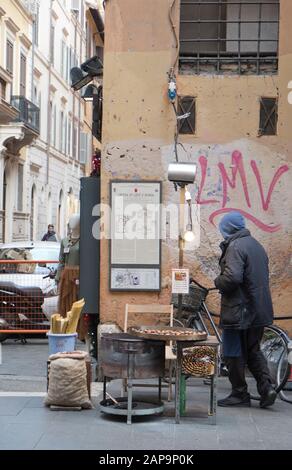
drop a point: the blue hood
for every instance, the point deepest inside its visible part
(231, 223)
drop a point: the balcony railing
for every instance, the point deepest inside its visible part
(31, 5)
(29, 113)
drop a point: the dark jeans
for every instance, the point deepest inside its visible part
(254, 359)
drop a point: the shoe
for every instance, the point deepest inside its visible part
(233, 400)
(268, 399)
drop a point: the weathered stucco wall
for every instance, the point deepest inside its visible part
(236, 168)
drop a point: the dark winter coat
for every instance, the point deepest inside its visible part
(49, 237)
(244, 283)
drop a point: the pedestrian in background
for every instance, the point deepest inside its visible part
(50, 236)
(246, 308)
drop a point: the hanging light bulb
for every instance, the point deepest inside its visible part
(189, 235)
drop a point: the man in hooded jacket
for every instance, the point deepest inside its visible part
(246, 308)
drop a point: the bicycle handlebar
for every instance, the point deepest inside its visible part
(206, 289)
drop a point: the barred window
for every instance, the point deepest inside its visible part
(229, 36)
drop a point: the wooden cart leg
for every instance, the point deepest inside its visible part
(182, 403)
(177, 382)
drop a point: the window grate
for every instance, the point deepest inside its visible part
(229, 37)
(268, 116)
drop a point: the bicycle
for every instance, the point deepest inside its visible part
(275, 345)
(277, 349)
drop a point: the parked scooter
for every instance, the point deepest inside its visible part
(21, 309)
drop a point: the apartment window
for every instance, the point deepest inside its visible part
(2, 89)
(82, 14)
(20, 188)
(53, 125)
(9, 56)
(61, 131)
(53, 45)
(76, 7)
(65, 146)
(68, 64)
(97, 114)
(187, 108)
(64, 59)
(83, 147)
(231, 37)
(268, 116)
(22, 75)
(88, 40)
(75, 143)
(70, 138)
(35, 26)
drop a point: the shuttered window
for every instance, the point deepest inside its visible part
(9, 56)
(187, 115)
(22, 75)
(83, 147)
(268, 116)
(20, 188)
(2, 89)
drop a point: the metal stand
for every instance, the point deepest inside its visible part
(127, 406)
(180, 390)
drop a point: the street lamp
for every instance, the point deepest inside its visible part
(189, 235)
(80, 77)
(90, 91)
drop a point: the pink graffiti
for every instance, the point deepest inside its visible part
(257, 222)
(239, 169)
(204, 165)
(277, 176)
(237, 166)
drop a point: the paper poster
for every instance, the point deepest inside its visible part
(135, 223)
(180, 281)
(135, 279)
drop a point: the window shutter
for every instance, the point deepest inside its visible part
(9, 57)
(75, 6)
(65, 136)
(89, 148)
(22, 75)
(97, 115)
(83, 147)
(20, 188)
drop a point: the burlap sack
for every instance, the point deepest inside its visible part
(68, 380)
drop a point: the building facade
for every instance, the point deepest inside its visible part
(41, 165)
(233, 66)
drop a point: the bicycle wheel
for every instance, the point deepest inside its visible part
(196, 322)
(285, 370)
(274, 348)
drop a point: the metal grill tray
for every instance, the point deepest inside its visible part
(194, 336)
(139, 407)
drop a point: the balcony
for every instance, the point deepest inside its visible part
(22, 128)
(29, 113)
(7, 112)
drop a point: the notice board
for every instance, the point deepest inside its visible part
(135, 240)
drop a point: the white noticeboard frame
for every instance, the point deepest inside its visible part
(180, 281)
(135, 240)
